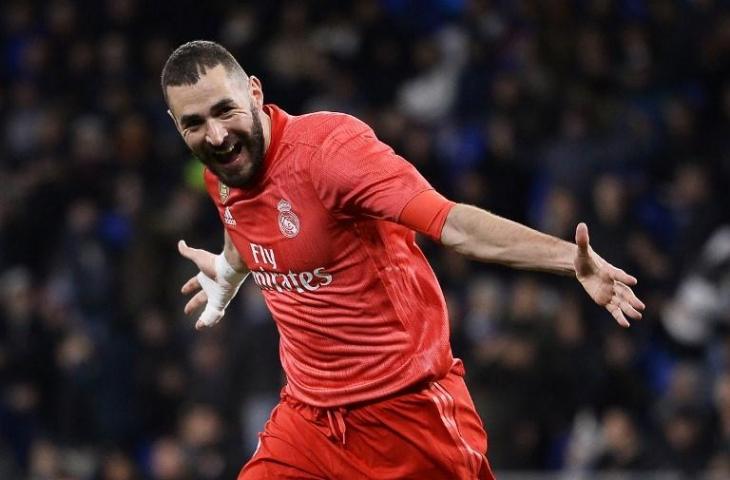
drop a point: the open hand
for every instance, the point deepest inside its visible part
(205, 261)
(210, 289)
(608, 286)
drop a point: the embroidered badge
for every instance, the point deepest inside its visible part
(223, 191)
(288, 220)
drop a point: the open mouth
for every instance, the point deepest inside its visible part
(229, 154)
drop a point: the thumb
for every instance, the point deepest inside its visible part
(184, 250)
(202, 259)
(581, 238)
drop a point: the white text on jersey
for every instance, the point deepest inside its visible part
(267, 255)
(285, 282)
(291, 281)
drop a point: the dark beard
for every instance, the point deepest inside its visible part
(254, 145)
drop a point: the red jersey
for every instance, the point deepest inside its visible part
(359, 311)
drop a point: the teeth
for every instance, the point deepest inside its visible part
(227, 151)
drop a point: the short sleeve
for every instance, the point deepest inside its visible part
(356, 174)
(426, 213)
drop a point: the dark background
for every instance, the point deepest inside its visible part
(548, 112)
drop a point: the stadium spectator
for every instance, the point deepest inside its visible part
(613, 111)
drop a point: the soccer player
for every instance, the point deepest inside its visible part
(322, 216)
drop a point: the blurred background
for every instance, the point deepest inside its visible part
(547, 112)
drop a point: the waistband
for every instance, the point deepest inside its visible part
(331, 420)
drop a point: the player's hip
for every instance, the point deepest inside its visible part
(430, 430)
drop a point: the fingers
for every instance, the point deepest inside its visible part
(581, 238)
(623, 277)
(630, 297)
(200, 324)
(208, 318)
(625, 303)
(205, 261)
(199, 300)
(616, 312)
(191, 286)
(630, 311)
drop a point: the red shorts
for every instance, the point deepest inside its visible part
(431, 432)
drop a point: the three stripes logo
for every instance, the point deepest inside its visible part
(228, 217)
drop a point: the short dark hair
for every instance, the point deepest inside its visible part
(191, 60)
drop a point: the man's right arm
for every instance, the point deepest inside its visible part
(231, 253)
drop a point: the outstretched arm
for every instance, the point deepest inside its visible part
(484, 236)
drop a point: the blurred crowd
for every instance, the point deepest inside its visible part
(547, 112)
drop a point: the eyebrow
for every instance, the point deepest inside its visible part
(222, 104)
(186, 120)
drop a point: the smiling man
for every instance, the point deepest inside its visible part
(323, 215)
(232, 145)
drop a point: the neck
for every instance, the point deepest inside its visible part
(266, 126)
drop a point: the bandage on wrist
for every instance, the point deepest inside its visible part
(224, 271)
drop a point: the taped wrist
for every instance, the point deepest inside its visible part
(219, 291)
(225, 272)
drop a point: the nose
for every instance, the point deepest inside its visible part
(215, 133)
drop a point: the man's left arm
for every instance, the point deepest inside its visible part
(356, 174)
(486, 237)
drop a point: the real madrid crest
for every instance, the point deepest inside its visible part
(288, 220)
(223, 191)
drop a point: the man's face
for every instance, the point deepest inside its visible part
(220, 122)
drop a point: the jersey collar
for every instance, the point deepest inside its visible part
(279, 119)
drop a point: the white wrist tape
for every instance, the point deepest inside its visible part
(220, 291)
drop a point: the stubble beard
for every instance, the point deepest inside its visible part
(249, 173)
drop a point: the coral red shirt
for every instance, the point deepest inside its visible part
(359, 311)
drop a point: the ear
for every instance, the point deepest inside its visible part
(174, 120)
(255, 92)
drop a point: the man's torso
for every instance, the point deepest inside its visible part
(358, 309)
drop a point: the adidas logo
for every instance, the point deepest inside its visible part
(228, 217)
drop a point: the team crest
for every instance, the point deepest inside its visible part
(288, 220)
(223, 191)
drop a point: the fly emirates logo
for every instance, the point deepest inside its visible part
(285, 282)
